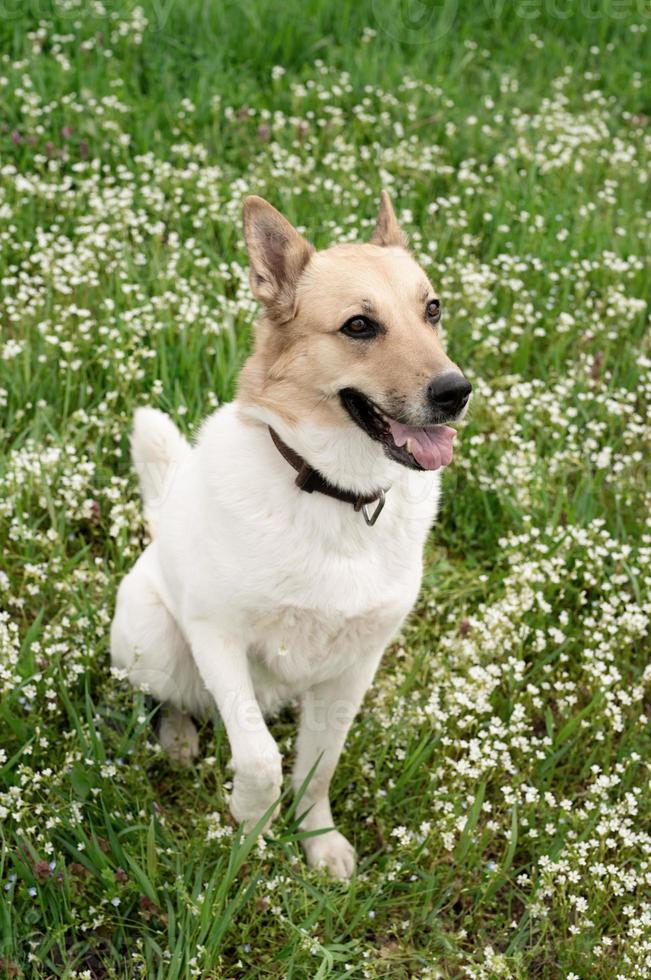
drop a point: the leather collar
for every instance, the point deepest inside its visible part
(310, 480)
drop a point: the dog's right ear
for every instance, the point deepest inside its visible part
(278, 255)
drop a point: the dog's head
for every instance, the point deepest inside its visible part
(349, 337)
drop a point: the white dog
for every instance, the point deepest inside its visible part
(287, 541)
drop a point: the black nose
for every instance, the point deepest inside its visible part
(449, 392)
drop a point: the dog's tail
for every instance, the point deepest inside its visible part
(157, 449)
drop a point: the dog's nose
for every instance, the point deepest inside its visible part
(449, 392)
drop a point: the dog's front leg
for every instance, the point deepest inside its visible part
(327, 712)
(223, 664)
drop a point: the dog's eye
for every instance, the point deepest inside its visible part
(433, 311)
(359, 327)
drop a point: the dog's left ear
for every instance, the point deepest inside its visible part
(278, 255)
(387, 230)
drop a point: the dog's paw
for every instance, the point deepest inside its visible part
(179, 737)
(331, 851)
(254, 791)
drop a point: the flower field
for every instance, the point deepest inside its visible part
(497, 784)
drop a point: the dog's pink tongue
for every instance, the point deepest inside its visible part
(431, 447)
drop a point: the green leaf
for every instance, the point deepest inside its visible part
(466, 836)
(80, 782)
(152, 853)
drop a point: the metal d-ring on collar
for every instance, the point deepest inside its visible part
(310, 480)
(369, 517)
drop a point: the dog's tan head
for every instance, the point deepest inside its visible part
(349, 337)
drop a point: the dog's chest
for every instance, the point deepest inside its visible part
(297, 647)
(336, 594)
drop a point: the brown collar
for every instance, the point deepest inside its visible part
(309, 479)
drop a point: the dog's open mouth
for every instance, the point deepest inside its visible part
(418, 447)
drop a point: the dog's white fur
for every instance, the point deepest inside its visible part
(253, 593)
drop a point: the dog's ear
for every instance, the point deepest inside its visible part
(387, 230)
(278, 255)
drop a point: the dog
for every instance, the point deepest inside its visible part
(287, 540)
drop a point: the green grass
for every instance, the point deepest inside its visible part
(496, 784)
